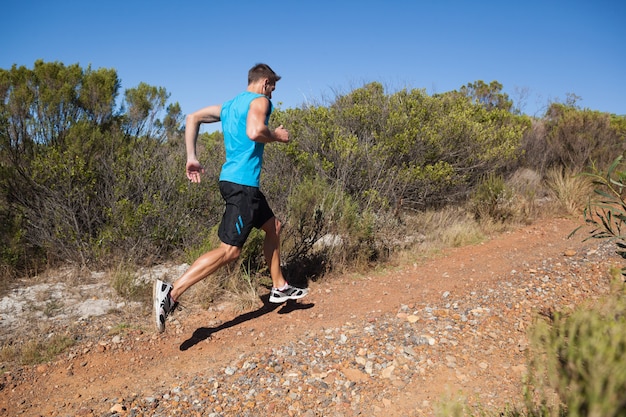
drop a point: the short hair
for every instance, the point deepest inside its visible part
(262, 71)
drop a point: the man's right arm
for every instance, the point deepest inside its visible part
(193, 121)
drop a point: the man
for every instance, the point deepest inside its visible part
(244, 125)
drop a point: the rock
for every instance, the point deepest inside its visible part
(355, 375)
(118, 408)
(387, 373)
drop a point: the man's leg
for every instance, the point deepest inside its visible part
(204, 266)
(281, 290)
(165, 295)
(271, 250)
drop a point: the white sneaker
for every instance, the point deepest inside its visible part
(289, 293)
(163, 303)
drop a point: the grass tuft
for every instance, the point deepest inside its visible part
(571, 191)
(36, 351)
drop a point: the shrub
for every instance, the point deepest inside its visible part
(326, 224)
(124, 282)
(607, 213)
(424, 151)
(493, 199)
(574, 138)
(580, 358)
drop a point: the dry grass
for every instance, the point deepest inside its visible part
(7, 275)
(206, 292)
(571, 191)
(35, 351)
(124, 281)
(450, 226)
(228, 284)
(462, 233)
(457, 226)
(243, 289)
(530, 195)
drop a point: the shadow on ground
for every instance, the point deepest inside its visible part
(204, 333)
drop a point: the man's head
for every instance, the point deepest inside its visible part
(265, 77)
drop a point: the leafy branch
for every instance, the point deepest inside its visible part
(606, 214)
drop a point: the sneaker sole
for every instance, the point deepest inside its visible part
(155, 304)
(287, 297)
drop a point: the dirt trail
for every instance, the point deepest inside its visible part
(110, 369)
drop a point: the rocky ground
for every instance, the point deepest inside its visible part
(398, 342)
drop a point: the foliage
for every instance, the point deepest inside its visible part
(405, 149)
(326, 224)
(144, 104)
(78, 184)
(568, 137)
(492, 199)
(576, 364)
(606, 214)
(489, 95)
(580, 358)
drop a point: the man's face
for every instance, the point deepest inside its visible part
(268, 87)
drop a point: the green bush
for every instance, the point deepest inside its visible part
(404, 147)
(84, 182)
(581, 358)
(606, 214)
(573, 138)
(493, 199)
(326, 224)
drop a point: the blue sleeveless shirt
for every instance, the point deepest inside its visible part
(244, 157)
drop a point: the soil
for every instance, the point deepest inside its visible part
(469, 309)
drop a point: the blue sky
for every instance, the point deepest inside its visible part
(200, 51)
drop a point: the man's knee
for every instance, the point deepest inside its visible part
(272, 227)
(231, 253)
(278, 226)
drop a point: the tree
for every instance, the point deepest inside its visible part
(490, 96)
(65, 159)
(97, 94)
(143, 106)
(44, 187)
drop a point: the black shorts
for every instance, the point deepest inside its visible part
(246, 207)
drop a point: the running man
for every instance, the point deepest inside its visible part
(245, 128)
